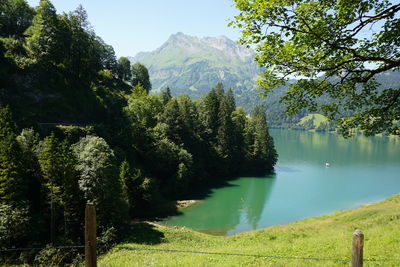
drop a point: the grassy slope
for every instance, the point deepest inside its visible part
(327, 236)
(318, 119)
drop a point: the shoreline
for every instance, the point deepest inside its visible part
(390, 136)
(183, 204)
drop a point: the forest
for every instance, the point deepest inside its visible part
(78, 125)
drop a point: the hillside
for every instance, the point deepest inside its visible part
(321, 237)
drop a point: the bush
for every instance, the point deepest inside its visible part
(14, 222)
(58, 257)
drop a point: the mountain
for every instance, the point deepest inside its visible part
(192, 65)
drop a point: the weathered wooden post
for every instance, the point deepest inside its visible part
(90, 236)
(358, 244)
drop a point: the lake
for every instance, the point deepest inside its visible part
(362, 170)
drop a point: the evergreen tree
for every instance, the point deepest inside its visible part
(50, 163)
(28, 141)
(43, 40)
(12, 184)
(210, 105)
(219, 90)
(189, 114)
(72, 197)
(85, 54)
(239, 120)
(263, 153)
(6, 70)
(132, 180)
(57, 162)
(173, 123)
(166, 95)
(194, 138)
(230, 101)
(225, 135)
(15, 220)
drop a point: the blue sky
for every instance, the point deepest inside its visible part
(132, 26)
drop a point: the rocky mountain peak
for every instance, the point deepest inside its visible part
(194, 44)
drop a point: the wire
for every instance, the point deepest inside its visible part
(232, 254)
(46, 248)
(381, 259)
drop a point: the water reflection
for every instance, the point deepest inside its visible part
(285, 169)
(235, 207)
(318, 148)
(256, 198)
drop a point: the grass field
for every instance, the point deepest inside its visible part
(322, 237)
(318, 119)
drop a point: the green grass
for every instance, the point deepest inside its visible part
(318, 119)
(323, 237)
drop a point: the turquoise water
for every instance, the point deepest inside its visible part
(363, 170)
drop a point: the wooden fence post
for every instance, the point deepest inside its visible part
(358, 244)
(90, 236)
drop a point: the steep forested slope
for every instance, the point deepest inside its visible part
(78, 125)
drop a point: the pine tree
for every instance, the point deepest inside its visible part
(191, 122)
(131, 180)
(60, 184)
(263, 153)
(210, 105)
(72, 197)
(43, 36)
(50, 164)
(239, 120)
(230, 101)
(85, 53)
(225, 135)
(165, 95)
(28, 141)
(12, 184)
(172, 119)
